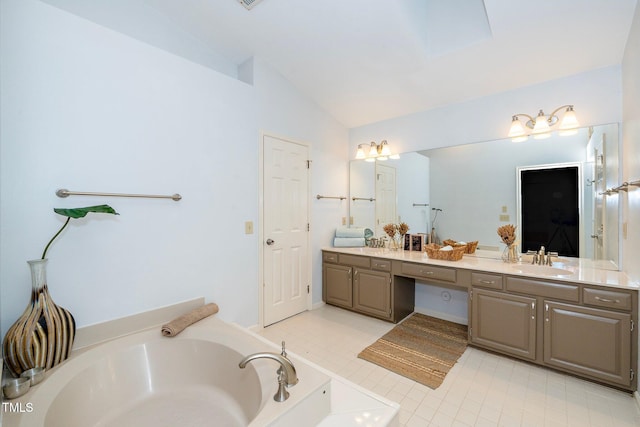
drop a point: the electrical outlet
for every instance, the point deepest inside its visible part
(344, 220)
(504, 218)
(504, 209)
(350, 220)
(248, 227)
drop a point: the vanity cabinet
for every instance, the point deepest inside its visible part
(503, 322)
(366, 285)
(572, 327)
(577, 327)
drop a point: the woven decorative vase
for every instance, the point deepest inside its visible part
(43, 335)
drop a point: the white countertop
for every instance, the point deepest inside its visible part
(578, 270)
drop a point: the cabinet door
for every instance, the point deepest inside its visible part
(372, 292)
(588, 341)
(337, 285)
(504, 322)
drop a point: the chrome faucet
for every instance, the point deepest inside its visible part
(540, 257)
(287, 375)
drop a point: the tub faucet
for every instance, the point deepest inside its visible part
(287, 375)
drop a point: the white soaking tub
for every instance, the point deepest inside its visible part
(193, 379)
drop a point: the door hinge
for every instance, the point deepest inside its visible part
(471, 295)
(308, 288)
(633, 324)
(309, 164)
(632, 374)
(308, 227)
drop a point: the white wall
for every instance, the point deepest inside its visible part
(283, 111)
(595, 94)
(88, 109)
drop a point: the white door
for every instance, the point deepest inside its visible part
(286, 271)
(385, 197)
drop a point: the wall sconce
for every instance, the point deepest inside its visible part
(375, 152)
(541, 125)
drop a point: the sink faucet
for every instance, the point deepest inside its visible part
(287, 375)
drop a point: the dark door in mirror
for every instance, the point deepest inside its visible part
(550, 210)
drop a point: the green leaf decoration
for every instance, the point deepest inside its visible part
(82, 212)
(77, 213)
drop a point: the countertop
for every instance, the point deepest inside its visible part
(575, 270)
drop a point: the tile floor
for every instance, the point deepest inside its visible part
(482, 389)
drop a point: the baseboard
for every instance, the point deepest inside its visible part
(318, 305)
(636, 396)
(444, 316)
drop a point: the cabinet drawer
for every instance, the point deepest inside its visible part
(381, 264)
(562, 291)
(429, 272)
(356, 261)
(493, 281)
(330, 257)
(607, 298)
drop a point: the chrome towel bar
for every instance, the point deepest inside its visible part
(63, 192)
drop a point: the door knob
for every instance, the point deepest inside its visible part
(270, 242)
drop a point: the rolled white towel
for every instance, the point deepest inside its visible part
(350, 232)
(348, 242)
(446, 248)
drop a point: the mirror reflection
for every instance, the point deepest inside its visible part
(466, 192)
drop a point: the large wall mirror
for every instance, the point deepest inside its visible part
(466, 192)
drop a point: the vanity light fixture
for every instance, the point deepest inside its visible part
(541, 125)
(375, 151)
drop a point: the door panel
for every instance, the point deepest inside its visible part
(372, 292)
(588, 341)
(504, 322)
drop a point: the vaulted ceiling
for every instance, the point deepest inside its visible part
(368, 60)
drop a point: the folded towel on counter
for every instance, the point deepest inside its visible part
(348, 242)
(178, 324)
(350, 232)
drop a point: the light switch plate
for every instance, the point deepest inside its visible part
(248, 227)
(504, 218)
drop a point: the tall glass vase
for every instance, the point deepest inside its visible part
(510, 253)
(43, 335)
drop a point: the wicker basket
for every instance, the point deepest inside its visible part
(469, 247)
(433, 251)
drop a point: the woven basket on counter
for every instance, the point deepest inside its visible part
(469, 247)
(433, 251)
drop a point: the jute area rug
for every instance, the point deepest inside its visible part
(421, 348)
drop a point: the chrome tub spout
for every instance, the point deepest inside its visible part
(287, 375)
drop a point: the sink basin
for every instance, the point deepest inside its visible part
(544, 270)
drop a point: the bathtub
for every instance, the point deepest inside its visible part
(193, 379)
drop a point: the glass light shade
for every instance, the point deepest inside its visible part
(520, 138)
(373, 151)
(517, 129)
(569, 121)
(360, 153)
(386, 150)
(541, 128)
(394, 156)
(382, 158)
(370, 159)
